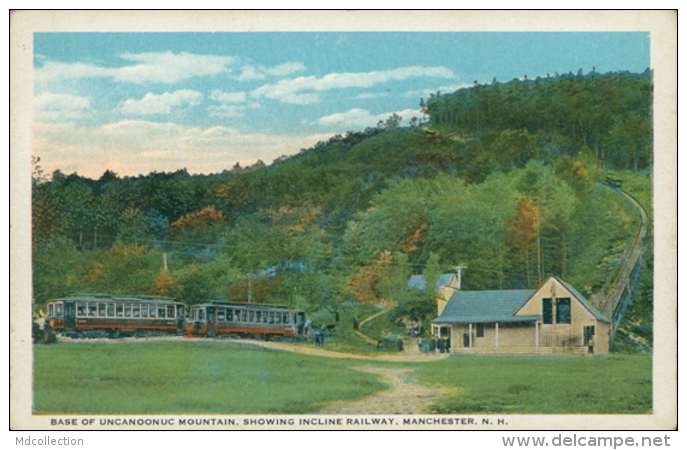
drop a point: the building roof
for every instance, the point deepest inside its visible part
(486, 306)
(499, 306)
(418, 281)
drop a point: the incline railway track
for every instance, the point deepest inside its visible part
(616, 299)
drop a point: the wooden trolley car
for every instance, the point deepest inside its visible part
(95, 315)
(218, 318)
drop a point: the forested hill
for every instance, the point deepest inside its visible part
(500, 177)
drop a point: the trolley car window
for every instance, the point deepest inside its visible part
(271, 317)
(230, 315)
(244, 316)
(152, 310)
(120, 310)
(58, 310)
(265, 318)
(161, 312)
(92, 309)
(251, 316)
(220, 315)
(238, 315)
(258, 317)
(137, 311)
(170, 312)
(110, 310)
(286, 317)
(192, 314)
(127, 310)
(80, 309)
(101, 309)
(144, 310)
(201, 314)
(50, 310)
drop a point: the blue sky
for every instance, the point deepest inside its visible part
(141, 102)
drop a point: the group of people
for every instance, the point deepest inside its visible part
(46, 335)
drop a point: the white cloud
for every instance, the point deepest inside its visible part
(362, 118)
(166, 67)
(366, 95)
(132, 147)
(251, 73)
(228, 97)
(160, 104)
(286, 69)
(220, 132)
(225, 110)
(289, 91)
(50, 106)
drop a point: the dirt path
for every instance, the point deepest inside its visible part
(405, 396)
(411, 353)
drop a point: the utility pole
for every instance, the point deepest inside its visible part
(248, 283)
(538, 259)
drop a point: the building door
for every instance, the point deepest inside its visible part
(69, 316)
(445, 337)
(588, 333)
(211, 320)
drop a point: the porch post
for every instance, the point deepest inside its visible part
(470, 335)
(496, 335)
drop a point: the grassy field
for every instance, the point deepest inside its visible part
(203, 377)
(218, 377)
(619, 384)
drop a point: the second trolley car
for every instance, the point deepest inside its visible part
(217, 318)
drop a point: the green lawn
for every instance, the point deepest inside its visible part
(221, 377)
(619, 384)
(188, 377)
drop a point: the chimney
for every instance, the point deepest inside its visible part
(459, 274)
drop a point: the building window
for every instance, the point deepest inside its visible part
(562, 310)
(546, 311)
(479, 331)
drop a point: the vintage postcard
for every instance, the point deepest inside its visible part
(343, 220)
